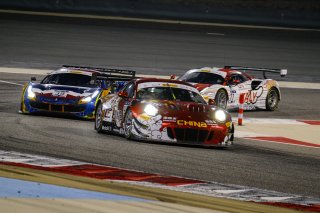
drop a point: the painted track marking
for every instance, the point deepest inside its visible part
(108, 173)
(12, 83)
(284, 140)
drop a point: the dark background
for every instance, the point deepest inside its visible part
(296, 13)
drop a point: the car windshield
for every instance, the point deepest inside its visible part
(202, 78)
(169, 93)
(69, 79)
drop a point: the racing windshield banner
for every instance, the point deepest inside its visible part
(166, 84)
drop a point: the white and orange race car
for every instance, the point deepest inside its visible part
(224, 85)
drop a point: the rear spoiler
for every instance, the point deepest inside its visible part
(107, 74)
(282, 72)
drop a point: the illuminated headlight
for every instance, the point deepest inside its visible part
(89, 98)
(86, 99)
(30, 93)
(150, 110)
(220, 115)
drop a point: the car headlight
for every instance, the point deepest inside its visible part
(89, 98)
(31, 94)
(150, 110)
(220, 115)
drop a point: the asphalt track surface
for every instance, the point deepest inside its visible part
(47, 43)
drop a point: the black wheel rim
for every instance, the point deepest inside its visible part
(128, 124)
(99, 117)
(272, 99)
(222, 100)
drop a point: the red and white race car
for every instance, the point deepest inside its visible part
(166, 111)
(224, 85)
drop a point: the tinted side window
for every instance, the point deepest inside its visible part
(129, 88)
(237, 77)
(203, 78)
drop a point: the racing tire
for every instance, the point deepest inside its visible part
(128, 125)
(272, 100)
(98, 119)
(221, 99)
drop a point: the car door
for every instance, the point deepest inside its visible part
(238, 84)
(123, 102)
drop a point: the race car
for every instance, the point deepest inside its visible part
(164, 110)
(72, 90)
(224, 85)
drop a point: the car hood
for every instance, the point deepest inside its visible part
(62, 91)
(180, 109)
(173, 111)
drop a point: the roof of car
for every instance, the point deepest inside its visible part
(72, 70)
(143, 80)
(220, 71)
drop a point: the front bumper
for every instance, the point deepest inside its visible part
(79, 110)
(213, 135)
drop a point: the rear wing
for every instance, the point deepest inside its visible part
(106, 73)
(282, 72)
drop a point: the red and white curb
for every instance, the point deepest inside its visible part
(109, 173)
(270, 137)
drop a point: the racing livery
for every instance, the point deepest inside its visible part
(164, 110)
(224, 85)
(72, 90)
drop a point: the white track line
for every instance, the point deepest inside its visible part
(8, 82)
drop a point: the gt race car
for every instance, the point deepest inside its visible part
(164, 110)
(225, 85)
(72, 90)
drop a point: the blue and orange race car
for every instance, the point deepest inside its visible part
(72, 90)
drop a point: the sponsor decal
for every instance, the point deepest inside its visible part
(169, 85)
(144, 117)
(59, 93)
(107, 128)
(209, 122)
(253, 95)
(169, 119)
(191, 123)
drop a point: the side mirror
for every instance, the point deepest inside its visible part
(211, 102)
(123, 94)
(172, 77)
(33, 79)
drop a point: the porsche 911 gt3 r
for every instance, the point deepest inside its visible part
(72, 90)
(225, 85)
(164, 110)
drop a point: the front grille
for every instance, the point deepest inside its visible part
(197, 108)
(191, 136)
(73, 108)
(38, 105)
(54, 100)
(57, 108)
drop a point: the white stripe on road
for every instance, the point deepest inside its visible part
(217, 34)
(272, 121)
(231, 191)
(8, 82)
